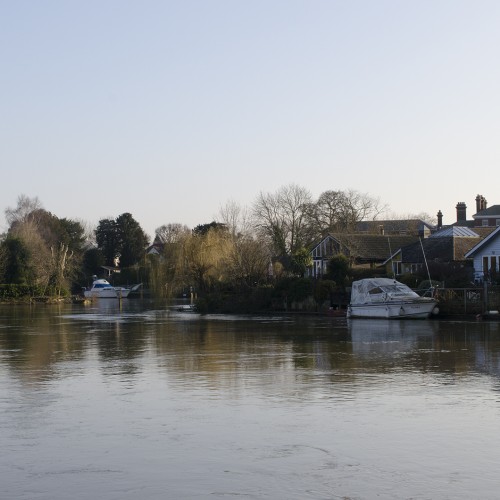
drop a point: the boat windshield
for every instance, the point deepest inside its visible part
(399, 289)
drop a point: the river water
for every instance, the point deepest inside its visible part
(140, 401)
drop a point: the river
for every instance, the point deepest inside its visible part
(140, 401)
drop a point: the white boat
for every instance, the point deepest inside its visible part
(186, 308)
(388, 298)
(102, 289)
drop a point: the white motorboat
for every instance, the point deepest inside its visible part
(388, 298)
(102, 289)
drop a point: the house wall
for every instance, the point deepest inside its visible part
(487, 222)
(318, 269)
(487, 259)
(396, 267)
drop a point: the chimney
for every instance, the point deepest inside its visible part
(440, 219)
(461, 212)
(481, 203)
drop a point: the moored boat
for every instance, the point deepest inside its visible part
(102, 289)
(388, 298)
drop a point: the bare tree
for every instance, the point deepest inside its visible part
(25, 210)
(340, 211)
(60, 260)
(171, 233)
(235, 217)
(248, 261)
(283, 217)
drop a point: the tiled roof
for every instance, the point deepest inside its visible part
(372, 247)
(407, 225)
(483, 231)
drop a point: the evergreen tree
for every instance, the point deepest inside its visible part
(122, 237)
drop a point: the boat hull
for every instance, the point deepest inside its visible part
(392, 310)
(101, 294)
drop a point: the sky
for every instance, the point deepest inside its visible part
(170, 110)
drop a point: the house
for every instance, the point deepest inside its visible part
(489, 217)
(110, 270)
(404, 246)
(363, 250)
(447, 246)
(483, 221)
(156, 248)
(486, 256)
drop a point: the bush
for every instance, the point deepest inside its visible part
(12, 291)
(294, 289)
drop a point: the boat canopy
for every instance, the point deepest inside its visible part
(379, 290)
(101, 284)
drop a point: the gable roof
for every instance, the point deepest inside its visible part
(483, 243)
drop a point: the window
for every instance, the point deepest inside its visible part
(396, 268)
(484, 222)
(485, 265)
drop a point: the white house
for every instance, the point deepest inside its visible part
(486, 255)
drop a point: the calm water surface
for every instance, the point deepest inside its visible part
(144, 402)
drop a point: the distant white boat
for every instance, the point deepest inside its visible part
(186, 308)
(102, 289)
(388, 298)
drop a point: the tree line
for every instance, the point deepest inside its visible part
(243, 247)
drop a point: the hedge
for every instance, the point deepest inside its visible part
(13, 291)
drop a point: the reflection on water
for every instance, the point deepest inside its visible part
(389, 337)
(131, 399)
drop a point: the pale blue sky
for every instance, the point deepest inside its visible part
(170, 109)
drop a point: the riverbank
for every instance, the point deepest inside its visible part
(45, 300)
